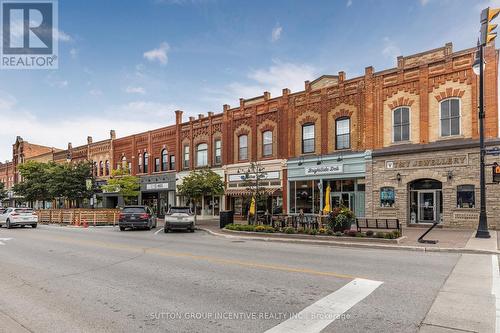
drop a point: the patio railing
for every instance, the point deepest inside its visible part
(79, 216)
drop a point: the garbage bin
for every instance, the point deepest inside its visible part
(226, 217)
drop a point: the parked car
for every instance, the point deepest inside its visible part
(179, 218)
(18, 217)
(137, 217)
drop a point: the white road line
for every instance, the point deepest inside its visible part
(319, 315)
(2, 240)
(495, 289)
(156, 233)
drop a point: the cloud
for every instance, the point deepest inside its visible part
(95, 92)
(159, 54)
(135, 90)
(62, 36)
(276, 33)
(390, 50)
(424, 2)
(56, 82)
(349, 3)
(74, 53)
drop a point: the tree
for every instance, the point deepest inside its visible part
(3, 192)
(253, 176)
(199, 183)
(35, 182)
(124, 184)
(69, 181)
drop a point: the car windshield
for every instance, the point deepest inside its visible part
(177, 210)
(24, 211)
(133, 210)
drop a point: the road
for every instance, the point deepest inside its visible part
(61, 279)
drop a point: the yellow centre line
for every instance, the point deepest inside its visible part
(217, 260)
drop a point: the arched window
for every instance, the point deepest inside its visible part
(101, 168)
(243, 147)
(343, 133)
(164, 160)
(124, 162)
(146, 162)
(401, 124)
(157, 164)
(107, 168)
(267, 143)
(308, 138)
(450, 117)
(139, 163)
(202, 155)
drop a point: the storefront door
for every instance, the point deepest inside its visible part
(427, 206)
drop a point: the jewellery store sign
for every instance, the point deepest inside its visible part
(437, 162)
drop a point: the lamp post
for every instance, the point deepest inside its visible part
(478, 68)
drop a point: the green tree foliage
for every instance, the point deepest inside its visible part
(35, 181)
(199, 183)
(3, 192)
(123, 183)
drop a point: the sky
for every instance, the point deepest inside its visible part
(128, 65)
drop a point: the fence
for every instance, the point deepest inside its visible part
(79, 216)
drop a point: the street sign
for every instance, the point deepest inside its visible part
(496, 173)
(493, 151)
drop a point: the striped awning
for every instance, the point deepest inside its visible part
(239, 192)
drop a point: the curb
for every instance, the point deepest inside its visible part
(351, 244)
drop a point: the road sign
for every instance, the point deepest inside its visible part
(2, 240)
(493, 151)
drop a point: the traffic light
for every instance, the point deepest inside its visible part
(496, 173)
(487, 34)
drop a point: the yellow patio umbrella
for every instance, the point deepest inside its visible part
(327, 208)
(252, 206)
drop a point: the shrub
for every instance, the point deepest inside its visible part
(380, 234)
(389, 235)
(313, 232)
(360, 234)
(396, 233)
(352, 233)
(264, 228)
(338, 234)
(369, 233)
(289, 230)
(322, 231)
(300, 230)
(330, 232)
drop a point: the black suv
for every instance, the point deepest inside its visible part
(136, 217)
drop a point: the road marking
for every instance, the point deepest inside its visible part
(495, 289)
(156, 233)
(2, 240)
(319, 315)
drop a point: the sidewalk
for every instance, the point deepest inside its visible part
(449, 240)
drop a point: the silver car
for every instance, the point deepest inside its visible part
(179, 218)
(18, 216)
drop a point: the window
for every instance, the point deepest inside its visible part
(101, 168)
(94, 171)
(157, 164)
(202, 155)
(124, 162)
(218, 152)
(129, 167)
(267, 143)
(387, 197)
(164, 156)
(172, 162)
(139, 164)
(343, 133)
(243, 147)
(107, 168)
(450, 117)
(308, 138)
(186, 157)
(466, 197)
(401, 124)
(146, 163)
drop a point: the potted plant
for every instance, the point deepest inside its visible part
(340, 219)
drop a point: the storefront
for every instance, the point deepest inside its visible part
(271, 183)
(158, 192)
(437, 182)
(309, 178)
(210, 205)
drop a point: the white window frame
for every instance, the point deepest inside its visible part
(459, 118)
(409, 124)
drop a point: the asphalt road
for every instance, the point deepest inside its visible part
(60, 279)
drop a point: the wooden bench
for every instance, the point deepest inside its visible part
(369, 223)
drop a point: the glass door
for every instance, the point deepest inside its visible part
(427, 206)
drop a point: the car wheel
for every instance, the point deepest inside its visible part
(33, 226)
(7, 224)
(122, 228)
(165, 230)
(22, 225)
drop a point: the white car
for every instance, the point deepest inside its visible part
(179, 218)
(18, 216)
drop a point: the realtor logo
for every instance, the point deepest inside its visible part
(28, 34)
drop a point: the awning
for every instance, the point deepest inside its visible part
(240, 192)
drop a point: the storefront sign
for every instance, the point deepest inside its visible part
(428, 162)
(324, 169)
(159, 186)
(242, 177)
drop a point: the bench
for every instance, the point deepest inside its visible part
(369, 223)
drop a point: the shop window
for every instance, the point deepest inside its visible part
(466, 197)
(308, 138)
(267, 143)
(107, 168)
(387, 197)
(401, 124)
(202, 155)
(218, 152)
(450, 117)
(343, 133)
(172, 162)
(146, 162)
(157, 164)
(164, 160)
(243, 147)
(185, 162)
(139, 164)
